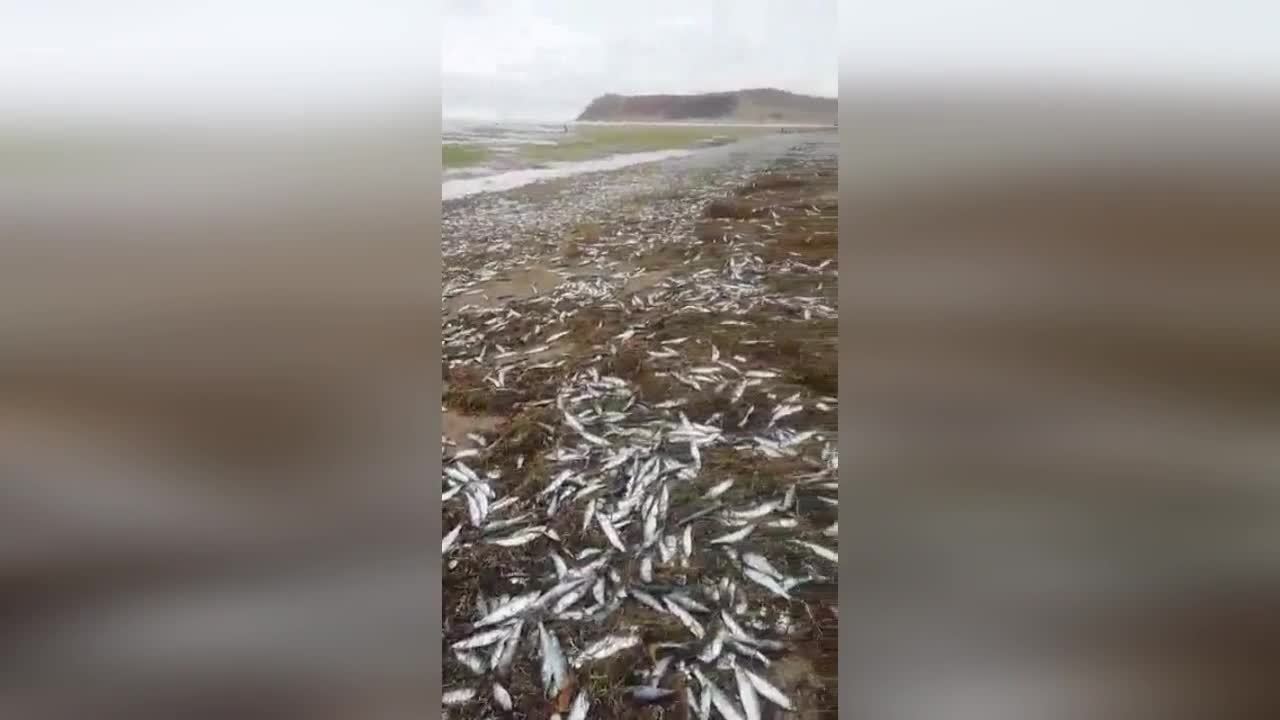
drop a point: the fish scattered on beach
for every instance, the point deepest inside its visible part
(607, 491)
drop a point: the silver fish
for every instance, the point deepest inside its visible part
(524, 537)
(756, 512)
(687, 602)
(783, 411)
(554, 668)
(718, 489)
(765, 581)
(606, 646)
(501, 696)
(580, 706)
(504, 653)
(820, 551)
(832, 531)
(761, 563)
(510, 609)
(568, 599)
(732, 537)
(588, 514)
(457, 696)
(713, 648)
(692, 702)
(609, 532)
(768, 691)
(482, 639)
(646, 568)
(447, 542)
(561, 566)
(747, 694)
(722, 702)
(476, 664)
(647, 694)
(647, 600)
(684, 617)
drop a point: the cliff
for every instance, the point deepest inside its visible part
(765, 105)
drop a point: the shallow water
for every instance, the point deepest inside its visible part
(463, 186)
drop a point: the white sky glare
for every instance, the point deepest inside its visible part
(546, 59)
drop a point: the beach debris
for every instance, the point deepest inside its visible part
(655, 456)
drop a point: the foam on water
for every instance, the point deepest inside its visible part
(461, 187)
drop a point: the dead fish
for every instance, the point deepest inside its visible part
(718, 489)
(783, 411)
(554, 668)
(761, 563)
(476, 664)
(732, 537)
(501, 696)
(722, 702)
(523, 537)
(684, 617)
(482, 639)
(504, 653)
(568, 599)
(761, 374)
(606, 646)
(713, 648)
(754, 513)
(609, 532)
(510, 609)
(768, 691)
(447, 542)
(457, 696)
(580, 706)
(820, 551)
(747, 694)
(561, 566)
(781, 523)
(647, 600)
(832, 531)
(765, 581)
(687, 602)
(649, 694)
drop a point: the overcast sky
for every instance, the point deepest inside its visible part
(549, 58)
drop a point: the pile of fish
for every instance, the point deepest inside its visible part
(632, 527)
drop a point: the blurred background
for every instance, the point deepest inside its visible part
(1060, 361)
(217, 343)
